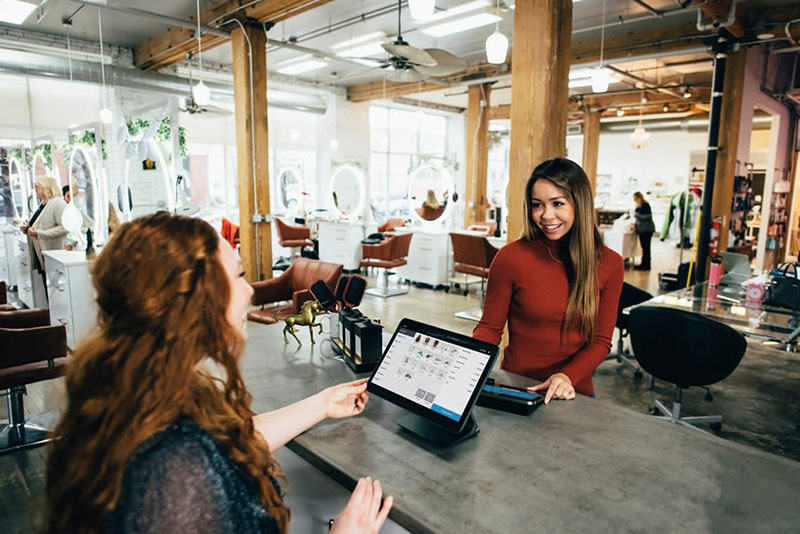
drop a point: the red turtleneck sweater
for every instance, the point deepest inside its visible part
(528, 287)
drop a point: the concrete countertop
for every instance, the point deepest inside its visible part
(573, 466)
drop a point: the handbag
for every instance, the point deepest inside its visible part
(784, 288)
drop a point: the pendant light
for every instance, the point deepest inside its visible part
(421, 9)
(106, 116)
(497, 43)
(200, 92)
(640, 136)
(600, 75)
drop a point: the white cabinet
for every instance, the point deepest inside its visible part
(10, 256)
(341, 243)
(72, 297)
(428, 258)
(4, 263)
(30, 286)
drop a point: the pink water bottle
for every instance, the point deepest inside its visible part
(715, 271)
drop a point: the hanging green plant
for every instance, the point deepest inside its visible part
(45, 151)
(357, 164)
(21, 155)
(163, 135)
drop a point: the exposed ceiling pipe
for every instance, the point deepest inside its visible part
(653, 11)
(157, 17)
(34, 65)
(645, 83)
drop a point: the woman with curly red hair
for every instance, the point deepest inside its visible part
(158, 434)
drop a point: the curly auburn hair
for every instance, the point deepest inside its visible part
(162, 295)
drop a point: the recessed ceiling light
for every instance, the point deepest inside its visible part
(300, 64)
(14, 11)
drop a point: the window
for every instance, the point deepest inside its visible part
(399, 140)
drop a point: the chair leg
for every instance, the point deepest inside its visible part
(473, 314)
(383, 290)
(19, 434)
(674, 415)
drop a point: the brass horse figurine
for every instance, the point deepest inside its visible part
(307, 316)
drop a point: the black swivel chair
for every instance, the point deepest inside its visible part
(686, 349)
(630, 296)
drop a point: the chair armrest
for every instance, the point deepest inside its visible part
(297, 232)
(30, 345)
(299, 297)
(273, 290)
(25, 318)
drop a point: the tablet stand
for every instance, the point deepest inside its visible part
(435, 433)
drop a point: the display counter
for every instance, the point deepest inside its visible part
(572, 466)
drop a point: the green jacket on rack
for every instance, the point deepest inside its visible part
(684, 202)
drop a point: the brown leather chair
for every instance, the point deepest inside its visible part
(291, 236)
(4, 305)
(391, 225)
(472, 254)
(32, 351)
(430, 214)
(291, 286)
(387, 255)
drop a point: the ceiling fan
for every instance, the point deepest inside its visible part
(190, 105)
(412, 64)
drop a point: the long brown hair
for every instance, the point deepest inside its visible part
(162, 295)
(584, 245)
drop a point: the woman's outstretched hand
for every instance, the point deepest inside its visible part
(363, 513)
(345, 400)
(558, 386)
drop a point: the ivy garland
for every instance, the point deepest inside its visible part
(447, 163)
(88, 139)
(357, 164)
(162, 135)
(21, 155)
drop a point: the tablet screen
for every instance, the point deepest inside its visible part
(434, 370)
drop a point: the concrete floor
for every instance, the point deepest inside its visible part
(759, 402)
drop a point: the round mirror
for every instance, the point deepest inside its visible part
(17, 180)
(83, 187)
(347, 190)
(429, 193)
(290, 194)
(151, 189)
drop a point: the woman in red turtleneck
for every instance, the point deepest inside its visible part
(558, 286)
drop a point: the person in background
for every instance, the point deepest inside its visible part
(158, 434)
(430, 209)
(87, 223)
(557, 286)
(44, 230)
(644, 228)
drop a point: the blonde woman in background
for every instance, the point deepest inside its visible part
(44, 230)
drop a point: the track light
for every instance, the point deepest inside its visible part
(688, 92)
(620, 112)
(665, 108)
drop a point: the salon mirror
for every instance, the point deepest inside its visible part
(16, 179)
(83, 186)
(290, 195)
(347, 190)
(151, 189)
(429, 193)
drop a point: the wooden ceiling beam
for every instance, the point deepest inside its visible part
(172, 45)
(720, 10)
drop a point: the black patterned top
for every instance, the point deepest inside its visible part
(181, 480)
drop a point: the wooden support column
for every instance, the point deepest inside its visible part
(252, 148)
(477, 154)
(591, 145)
(730, 124)
(539, 94)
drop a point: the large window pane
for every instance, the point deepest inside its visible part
(379, 129)
(404, 126)
(433, 132)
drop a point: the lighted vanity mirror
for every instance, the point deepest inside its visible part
(83, 186)
(429, 193)
(347, 190)
(290, 194)
(151, 188)
(16, 179)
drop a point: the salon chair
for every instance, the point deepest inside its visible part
(472, 255)
(285, 294)
(630, 296)
(4, 305)
(685, 349)
(293, 237)
(33, 351)
(386, 255)
(389, 226)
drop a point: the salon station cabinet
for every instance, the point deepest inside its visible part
(429, 259)
(71, 293)
(340, 242)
